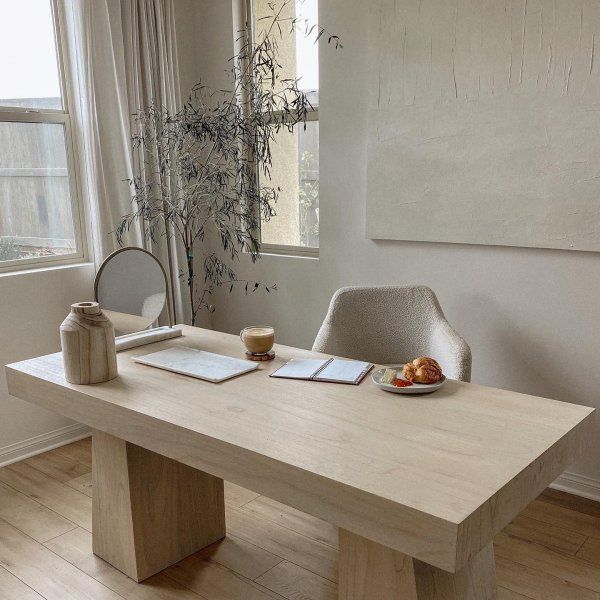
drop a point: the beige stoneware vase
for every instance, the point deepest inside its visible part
(88, 345)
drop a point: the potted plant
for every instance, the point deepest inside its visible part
(202, 168)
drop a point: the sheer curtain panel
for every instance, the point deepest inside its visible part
(122, 59)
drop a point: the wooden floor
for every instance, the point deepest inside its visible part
(550, 552)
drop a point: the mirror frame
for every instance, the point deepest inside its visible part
(167, 288)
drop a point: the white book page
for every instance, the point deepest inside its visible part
(300, 368)
(343, 371)
(197, 363)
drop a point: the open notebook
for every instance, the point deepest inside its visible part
(334, 370)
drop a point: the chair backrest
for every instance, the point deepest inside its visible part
(392, 325)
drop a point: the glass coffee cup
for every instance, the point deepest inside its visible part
(258, 339)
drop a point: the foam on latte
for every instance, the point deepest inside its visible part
(258, 331)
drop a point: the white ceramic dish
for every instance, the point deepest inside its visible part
(415, 388)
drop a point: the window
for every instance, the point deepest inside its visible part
(295, 228)
(39, 208)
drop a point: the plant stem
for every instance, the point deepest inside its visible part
(189, 257)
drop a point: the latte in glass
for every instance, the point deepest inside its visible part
(258, 339)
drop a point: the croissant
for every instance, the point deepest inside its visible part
(422, 370)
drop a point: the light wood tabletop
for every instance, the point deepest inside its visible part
(419, 485)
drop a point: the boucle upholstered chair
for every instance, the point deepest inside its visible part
(392, 325)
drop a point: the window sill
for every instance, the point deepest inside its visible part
(32, 269)
(293, 251)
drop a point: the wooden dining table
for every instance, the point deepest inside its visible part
(418, 485)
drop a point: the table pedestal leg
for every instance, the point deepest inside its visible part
(149, 511)
(369, 570)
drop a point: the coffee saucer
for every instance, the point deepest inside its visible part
(270, 355)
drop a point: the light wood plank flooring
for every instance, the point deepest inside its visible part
(551, 551)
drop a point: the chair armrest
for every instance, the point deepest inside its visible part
(454, 350)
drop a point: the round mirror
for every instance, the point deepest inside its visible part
(131, 287)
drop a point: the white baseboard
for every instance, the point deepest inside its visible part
(42, 443)
(578, 485)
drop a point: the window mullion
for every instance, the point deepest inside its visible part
(32, 116)
(312, 115)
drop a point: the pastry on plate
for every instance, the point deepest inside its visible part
(422, 370)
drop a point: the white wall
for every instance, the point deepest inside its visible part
(33, 304)
(531, 316)
(204, 29)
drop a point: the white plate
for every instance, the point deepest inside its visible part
(415, 388)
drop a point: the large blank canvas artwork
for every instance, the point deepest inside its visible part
(484, 122)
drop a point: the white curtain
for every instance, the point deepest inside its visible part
(122, 58)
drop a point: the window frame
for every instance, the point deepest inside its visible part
(313, 115)
(53, 116)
